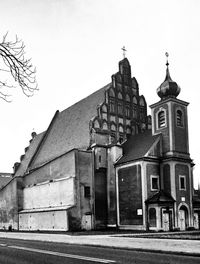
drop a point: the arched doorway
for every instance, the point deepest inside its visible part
(183, 217)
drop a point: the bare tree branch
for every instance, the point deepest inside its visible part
(13, 57)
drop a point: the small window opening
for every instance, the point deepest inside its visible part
(87, 191)
(154, 183)
(179, 118)
(182, 183)
(161, 119)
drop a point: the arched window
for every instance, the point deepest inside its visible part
(142, 113)
(134, 100)
(134, 112)
(112, 106)
(120, 108)
(142, 103)
(113, 127)
(161, 119)
(128, 98)
(120, 96)
(112, 93)
(121, 129)
(96, 124)
(179, 118)
(127, 110)
(105, 126)
(104, 108)
(152, 217)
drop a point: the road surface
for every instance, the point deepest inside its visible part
(14, 251)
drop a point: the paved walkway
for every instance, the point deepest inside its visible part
(186, 247)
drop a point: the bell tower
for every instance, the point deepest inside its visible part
(169, 117)
(170, 120)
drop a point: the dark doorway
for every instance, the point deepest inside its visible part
(100, 181)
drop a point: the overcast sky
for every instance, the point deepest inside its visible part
(76, 46)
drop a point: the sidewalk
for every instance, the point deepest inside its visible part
(183, 247)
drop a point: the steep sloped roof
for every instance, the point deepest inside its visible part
(69, 129)
(29, 154)
(137, 146)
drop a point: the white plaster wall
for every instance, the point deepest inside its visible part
(51, 220)
(49, 194)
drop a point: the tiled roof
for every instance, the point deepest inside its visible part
(69, 129)
(137, 146)
(161, 197)
(29, 154)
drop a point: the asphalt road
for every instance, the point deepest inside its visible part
(37, 252)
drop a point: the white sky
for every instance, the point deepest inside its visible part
(76, 46)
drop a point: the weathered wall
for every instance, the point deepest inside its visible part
(51, 194)
(61, 167)
(47, 192)
(81, 216)
(52, 220)
(9, 205)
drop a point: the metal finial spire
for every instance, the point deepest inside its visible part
(167, 55)
(124, 52)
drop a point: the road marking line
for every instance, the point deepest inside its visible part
(64, 254)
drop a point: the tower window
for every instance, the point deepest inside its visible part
(161, 119)
(179, 118)
(182, 185)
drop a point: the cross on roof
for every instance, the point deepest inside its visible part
(167, 55)
(124, 52)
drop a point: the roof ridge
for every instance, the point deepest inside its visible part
(42, 140)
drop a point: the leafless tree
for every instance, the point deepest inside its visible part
(13, 62)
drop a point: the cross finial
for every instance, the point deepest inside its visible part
(124, 52)
(167, 55)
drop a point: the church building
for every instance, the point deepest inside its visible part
(103, 162)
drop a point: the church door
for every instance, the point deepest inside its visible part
(100, 198)
(182, 224)
(166, 221)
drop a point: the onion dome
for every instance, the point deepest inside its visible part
(168, 88)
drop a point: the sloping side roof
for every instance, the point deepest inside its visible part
(161, 197)
(70, 129)
(137, 146)
(4, 178)
(29, 154)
